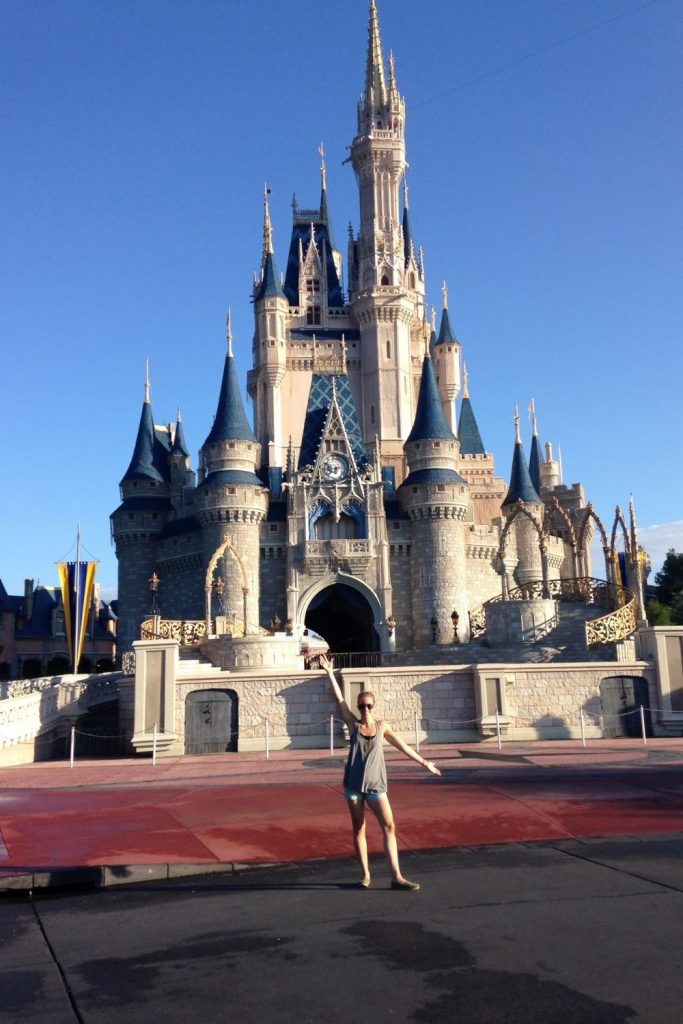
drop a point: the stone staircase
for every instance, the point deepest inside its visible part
(193, 665)
(565, 642)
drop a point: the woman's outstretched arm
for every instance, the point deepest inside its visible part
(327, 665)
(390, 737)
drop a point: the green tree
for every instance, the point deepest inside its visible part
(658, 614)
(669, 581)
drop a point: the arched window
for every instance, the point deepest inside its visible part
(388, 349)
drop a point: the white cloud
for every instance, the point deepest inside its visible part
(659, 539)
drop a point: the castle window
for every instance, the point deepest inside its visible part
(313, 315)
(385, 279)
(388, 349)
(372, 414)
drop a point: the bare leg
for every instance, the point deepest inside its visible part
(382, 811)
(360, 843)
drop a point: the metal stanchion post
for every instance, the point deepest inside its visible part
(642, 724)
(417, 733)
(500, 743)
(331, 735)
(583, 729)
(154, 745)
(73, 745)
(267, 741)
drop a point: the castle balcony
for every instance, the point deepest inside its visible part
(320, 556)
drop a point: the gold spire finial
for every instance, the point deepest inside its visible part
(228, 325)
(434, 319)
(518, 436)
(465, 381)
(147, 379)
(444, 295)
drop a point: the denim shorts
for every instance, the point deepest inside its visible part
(372, 794)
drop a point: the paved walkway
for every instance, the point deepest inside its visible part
(104, 822)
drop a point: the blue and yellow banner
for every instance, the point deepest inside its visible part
(76, 579)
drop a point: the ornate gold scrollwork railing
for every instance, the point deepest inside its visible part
(191, 632)
(187, 632)
(616, 625)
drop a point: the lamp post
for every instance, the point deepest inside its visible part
(455, 619)
(154, 591)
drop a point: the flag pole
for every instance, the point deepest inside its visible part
(75, 631)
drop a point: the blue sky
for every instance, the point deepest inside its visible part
(545, 150)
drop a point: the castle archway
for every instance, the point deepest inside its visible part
(344, 613)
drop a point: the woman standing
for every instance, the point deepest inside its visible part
(365, 777)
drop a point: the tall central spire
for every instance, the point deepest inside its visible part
(375, 84)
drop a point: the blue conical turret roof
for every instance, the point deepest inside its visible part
(149, 455)
(468, 431)
(270, 286)
(231, 423)
(430, 422)
(535, 463)
(521, 488)
(446, 335)
(179, 445)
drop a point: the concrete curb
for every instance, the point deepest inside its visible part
(109, 875)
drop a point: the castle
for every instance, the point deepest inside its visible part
(362, 504)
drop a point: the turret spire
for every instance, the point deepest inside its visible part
(521, 488)
(267, 226)
(269, 284)
(535, 456)
(323, 169)
(375, 84)
(468, 430)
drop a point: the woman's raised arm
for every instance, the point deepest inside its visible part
(327, 665)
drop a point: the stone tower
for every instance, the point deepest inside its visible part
(436, 499)
(231, 502)
(138, 521)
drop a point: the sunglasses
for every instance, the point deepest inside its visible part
(362, 707)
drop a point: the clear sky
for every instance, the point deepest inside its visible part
(544, 141)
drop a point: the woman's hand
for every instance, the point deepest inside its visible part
(431, 767)
(326, 664)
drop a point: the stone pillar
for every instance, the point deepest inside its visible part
(156, 664)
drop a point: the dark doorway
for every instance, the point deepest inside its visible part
(622, 698)
(343, 617)
(211, 722)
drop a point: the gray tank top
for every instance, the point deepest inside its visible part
(365, 770)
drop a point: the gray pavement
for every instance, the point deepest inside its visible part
(575, 931)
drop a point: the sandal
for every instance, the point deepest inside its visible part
(405, 884)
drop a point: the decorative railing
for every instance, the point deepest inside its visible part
(192, 632)
(618, 624)
(187, 632)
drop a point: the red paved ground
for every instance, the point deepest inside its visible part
(244, 808)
